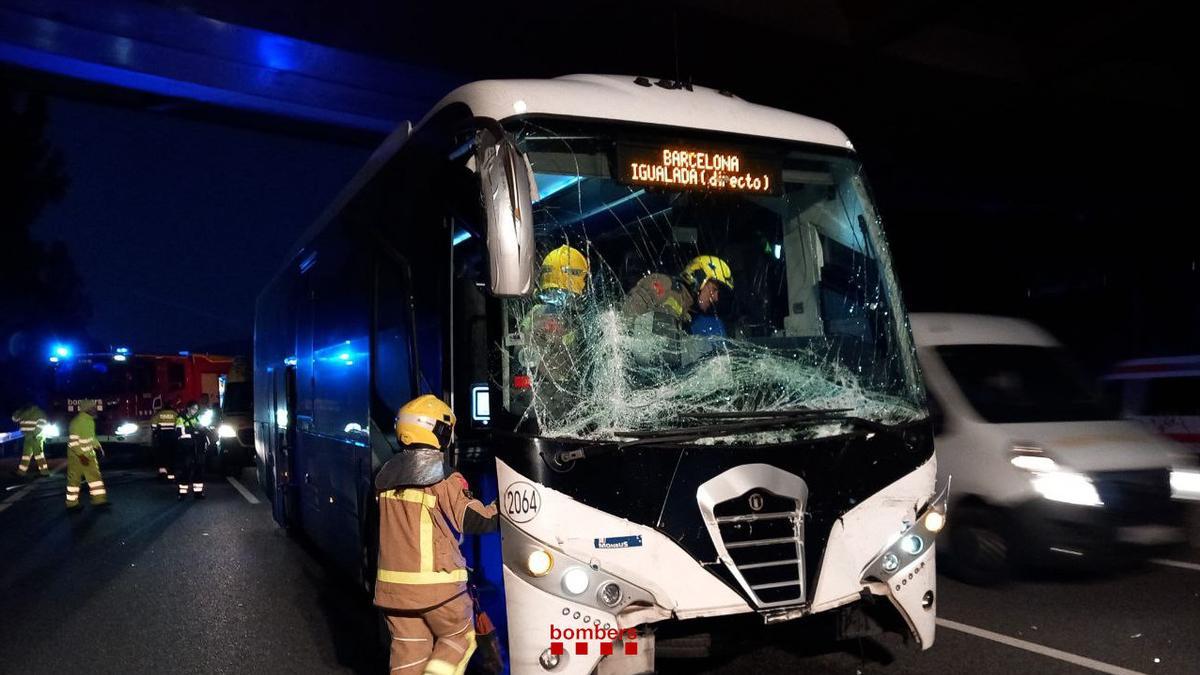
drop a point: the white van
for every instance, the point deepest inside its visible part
(1042, 470)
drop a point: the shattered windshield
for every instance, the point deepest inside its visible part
(682, 274)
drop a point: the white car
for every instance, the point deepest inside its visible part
(1042, 470)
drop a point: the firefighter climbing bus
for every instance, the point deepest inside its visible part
(668, 323)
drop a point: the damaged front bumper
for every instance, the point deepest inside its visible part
(906, 570)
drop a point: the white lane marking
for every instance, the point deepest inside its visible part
(1037, 649)
(240, 488)
(23, 491)
(1177, 563)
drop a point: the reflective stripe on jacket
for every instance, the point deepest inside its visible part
(30, 419)
(420, 564)
(82, 434)
(164, 420)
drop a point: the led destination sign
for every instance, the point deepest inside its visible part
(683, 167)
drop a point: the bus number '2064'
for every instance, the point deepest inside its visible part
(521, 502)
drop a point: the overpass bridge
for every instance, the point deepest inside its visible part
(184, 57)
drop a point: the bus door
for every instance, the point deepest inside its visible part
(283, 402)
(474, 456)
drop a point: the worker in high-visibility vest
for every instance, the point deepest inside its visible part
(82, 463)
(422, 578)
(164, 432)
(189, 453)
(32, 422)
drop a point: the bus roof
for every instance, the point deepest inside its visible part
(615, 97)
(602, 97)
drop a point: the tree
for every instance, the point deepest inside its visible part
(40, 292)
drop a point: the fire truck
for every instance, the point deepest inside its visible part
(128, 388)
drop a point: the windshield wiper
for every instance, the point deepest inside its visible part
(738, 423)
(730, 423)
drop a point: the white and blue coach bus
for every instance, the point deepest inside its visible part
(769, 462)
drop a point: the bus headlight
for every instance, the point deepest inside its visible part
(539, 563)
(912, 544)
(575, 581)
(50, 431)
(935, 521)
(127, 429)
(609, 594)
(226, 431)
(915, 539)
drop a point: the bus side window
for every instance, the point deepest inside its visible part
(392, 363)
(470, 339)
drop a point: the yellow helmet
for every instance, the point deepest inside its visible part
(705, 267)
(564, 268)
(425, 420)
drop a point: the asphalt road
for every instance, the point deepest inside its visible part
(155, 585)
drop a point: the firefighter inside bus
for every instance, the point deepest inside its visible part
(672, 307)
(553, 325)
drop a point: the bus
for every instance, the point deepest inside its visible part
(653, 480)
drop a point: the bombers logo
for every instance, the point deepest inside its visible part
(606, 637)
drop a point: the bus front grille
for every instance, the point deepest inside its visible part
(755, 516)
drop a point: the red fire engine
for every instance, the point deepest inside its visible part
(128, 388)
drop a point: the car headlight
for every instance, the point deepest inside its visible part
(1052, 481)
(1185, 484)
(50, 431)
(226, 431)
(127, 429)
(1067, 487)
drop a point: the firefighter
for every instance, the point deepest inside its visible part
(32, 421)
(663, 311)
(422, 579)
(82, 463)
(189, 452)
(553, 326)
(696, 291)
(165, 433)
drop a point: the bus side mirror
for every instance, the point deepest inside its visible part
(508, 208)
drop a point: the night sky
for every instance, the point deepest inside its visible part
(175, 224)
(1024, 158)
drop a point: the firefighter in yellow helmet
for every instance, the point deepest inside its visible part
(696, 291)
(422, 578)
(552, 327)
(564, 274)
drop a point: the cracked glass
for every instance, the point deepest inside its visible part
(661, 299)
